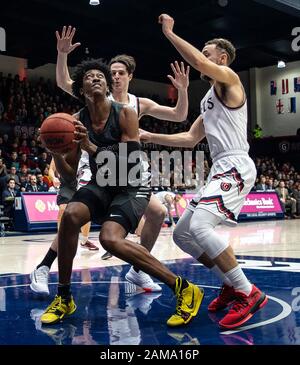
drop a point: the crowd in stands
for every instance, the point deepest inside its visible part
(284, 179)
(24, 163)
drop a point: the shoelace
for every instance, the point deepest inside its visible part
(178, 304)
(54, 306)
(145, 277)
(41, 275)
(240, 304)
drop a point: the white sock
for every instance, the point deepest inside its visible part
(238, 280)
(219, 273)
(84, 239)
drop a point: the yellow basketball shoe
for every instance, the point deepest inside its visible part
(188, 303)
(59, 308)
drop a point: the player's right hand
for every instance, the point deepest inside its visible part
(167, 23)
(64, 41)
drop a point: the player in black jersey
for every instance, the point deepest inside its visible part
(107, 126)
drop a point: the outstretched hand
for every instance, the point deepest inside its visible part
(167, 23)
(64, 41)
(181, 80)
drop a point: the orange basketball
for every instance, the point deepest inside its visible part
(57, 132)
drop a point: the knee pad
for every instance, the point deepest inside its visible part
(185, 242)
(202, 229)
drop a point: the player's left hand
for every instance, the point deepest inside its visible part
(181, 75)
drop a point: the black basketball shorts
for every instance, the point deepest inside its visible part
(124, 205)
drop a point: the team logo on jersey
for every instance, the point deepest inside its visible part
(225, 186)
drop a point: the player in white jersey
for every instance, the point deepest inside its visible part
(223, 119)
(122, 68)
(169, 200)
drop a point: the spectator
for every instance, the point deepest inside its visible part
(24, 182)
(24, 148)
(290, 186)
(25, 161)
(33, 187)
(46, 177)
(3, 147)
(44, 161)
(286, 200)
(276, 183)
(13, 161)
(262, 184)
(271, 184)
(40, 182)
(34, 150)
(296, 195)
(8, 198)
(13, 175)
(3, 170)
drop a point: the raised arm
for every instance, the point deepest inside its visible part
(178, 113)
(194, 57)
(185, 139)
(64, 47)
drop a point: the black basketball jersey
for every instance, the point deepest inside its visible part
(107, 140)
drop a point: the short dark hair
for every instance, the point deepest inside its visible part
(82, 68)
(128, 61)
(224, 45)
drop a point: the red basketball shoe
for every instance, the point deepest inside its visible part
(243, 308)
(89, 246)
(225, 298)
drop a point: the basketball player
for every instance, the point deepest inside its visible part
(122, 69)
(223, 120)
(169, 200)
(103, 125)
(68, 183)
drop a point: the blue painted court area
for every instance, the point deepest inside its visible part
(110, 313)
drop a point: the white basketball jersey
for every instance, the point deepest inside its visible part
(133, 102)
(225, 127)
(162, 194)
(84, 173)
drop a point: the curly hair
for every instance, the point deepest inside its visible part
(82, 68)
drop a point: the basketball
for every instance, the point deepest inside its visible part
(57, 133)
